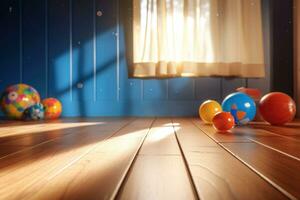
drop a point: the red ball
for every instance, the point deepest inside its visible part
(223, 121)
(277, 108)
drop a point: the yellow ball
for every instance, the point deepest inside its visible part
(208, 110)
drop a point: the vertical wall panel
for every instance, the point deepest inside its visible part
(106, 54)
(83, 65)
(208, 88)
(130, 89)
(9, 43)
(230, 85)
(34, 70)
(155, 90)
(59, 49)
(86, 57)
(182, 89)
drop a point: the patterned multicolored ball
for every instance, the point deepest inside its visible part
(35, 112)
(53, 108)
(17, 98)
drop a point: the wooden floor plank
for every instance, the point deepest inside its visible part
(216, 173)
(157, 177)
(279, 169)
(83, 158)
(290, 130)
(284, 145)
(275, 141)
(99, 173)
(159, 171)
(31, 134)
(26, 171)
(238, 134)
(161, 139)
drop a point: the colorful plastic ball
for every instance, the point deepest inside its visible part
(277, 108)
(223, 121)
(17, 98)
(208, 109)
(241, 106)
(53, 108)
(35, 112)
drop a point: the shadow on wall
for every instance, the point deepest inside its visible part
(93, 69)
(88, 46)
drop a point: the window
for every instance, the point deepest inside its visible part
(174, 38)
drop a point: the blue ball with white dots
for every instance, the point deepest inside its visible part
(35, 112)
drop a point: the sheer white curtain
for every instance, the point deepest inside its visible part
(197, 38)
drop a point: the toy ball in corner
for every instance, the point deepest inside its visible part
(208, 109)
(53, 108)
(241, 106)
(17, 98)
(223, 121)
(35, 112)
(277, 108)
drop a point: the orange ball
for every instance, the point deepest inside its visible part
(208, 109)
(52, 108)
(223, 121)
(277, 108)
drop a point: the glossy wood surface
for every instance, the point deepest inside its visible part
(147, 158)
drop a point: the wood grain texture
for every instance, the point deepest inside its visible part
(235, 135)
(217, 174)
(99, 173)
(161, 139)
(277, 168)
(28, 135)
(157, 177)
(291, 131)
(159, 171)
(26, 171)
(275, 141)
(165, 158)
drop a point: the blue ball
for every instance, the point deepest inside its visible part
(35, 112)
(241, 106)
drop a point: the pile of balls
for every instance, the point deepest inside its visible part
(238, 108)
(22, 101)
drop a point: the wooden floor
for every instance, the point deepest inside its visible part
(147, 158)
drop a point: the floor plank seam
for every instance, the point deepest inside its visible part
(283, 191)
(28, 148)
(277, 150)
(233, 142)
(90, 150)
(45, 142)
(277, 134)
(290, 196)
(192, 181)
(160, 155)
(124, 179)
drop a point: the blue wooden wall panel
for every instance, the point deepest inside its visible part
(9, 43)
(129, 89)
(106, 50)
(33, 31)
(208, 88)
(75, 50)
(155, 90)
(182, 89)
(230, 85)
(83, 49)
(59, 49)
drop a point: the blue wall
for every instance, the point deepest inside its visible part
(64, 50)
